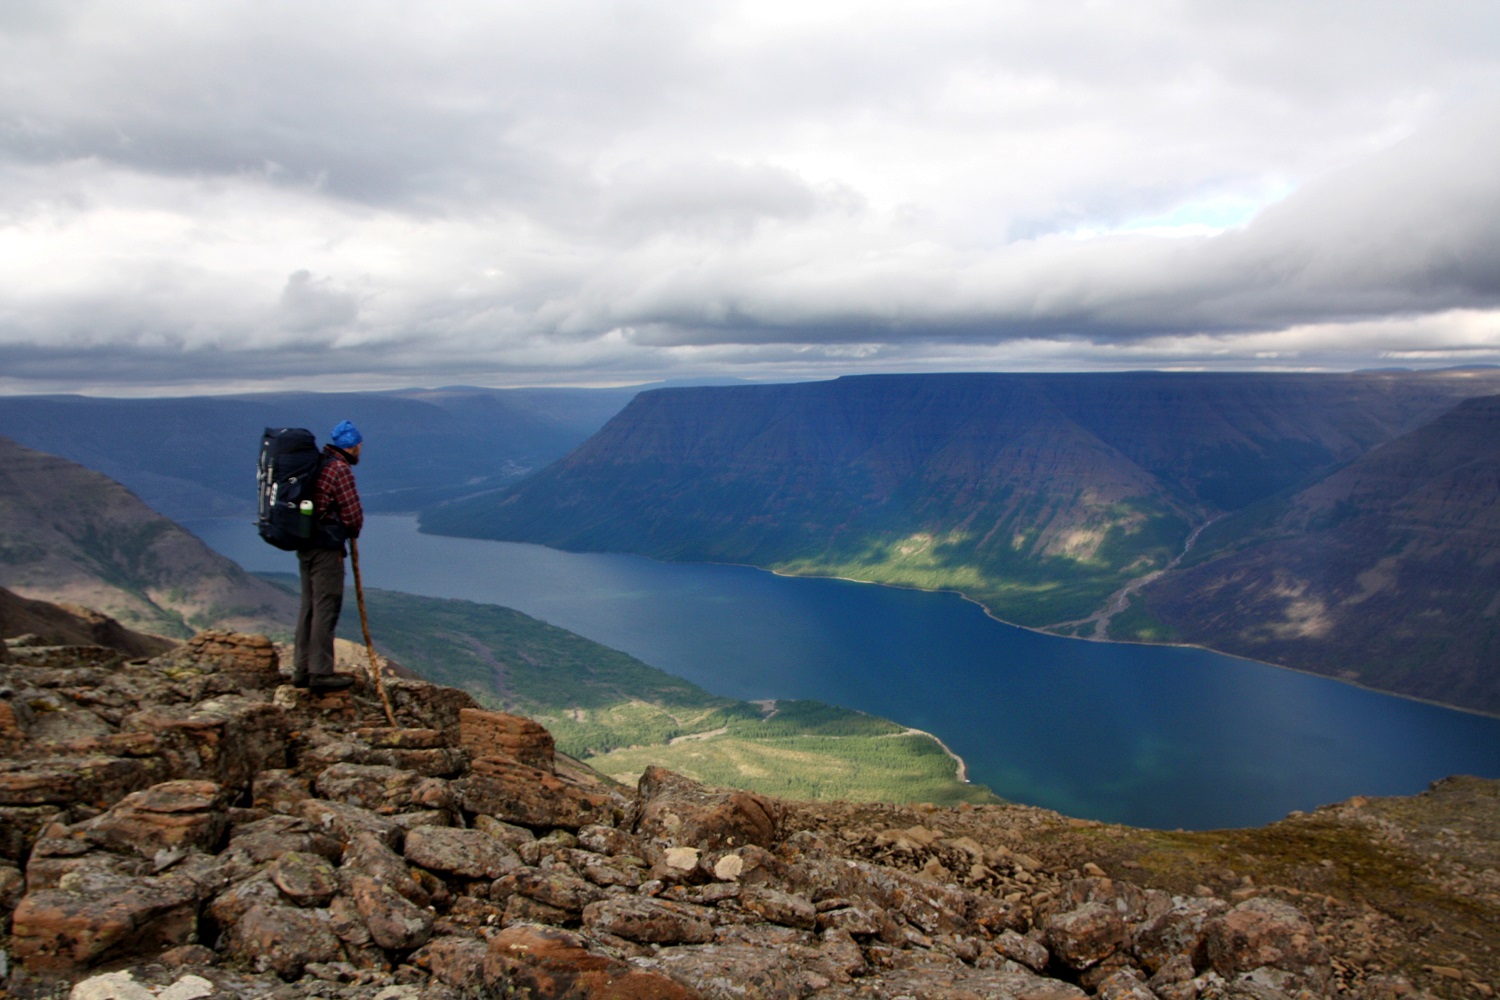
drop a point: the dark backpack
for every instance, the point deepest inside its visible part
(285, 477)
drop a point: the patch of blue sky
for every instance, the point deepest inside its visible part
(1205, 216)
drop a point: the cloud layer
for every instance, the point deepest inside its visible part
(252, 192)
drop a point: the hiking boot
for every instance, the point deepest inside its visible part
(299, 680)
(330, 682)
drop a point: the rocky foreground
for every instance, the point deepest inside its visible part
(190, 826)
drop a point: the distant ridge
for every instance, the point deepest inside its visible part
(194, 457)
(73, 536)
(1387, 572)
(1040, 495)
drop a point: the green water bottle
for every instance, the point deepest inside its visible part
(305, 522)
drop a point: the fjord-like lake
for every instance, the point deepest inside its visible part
(1145, 735)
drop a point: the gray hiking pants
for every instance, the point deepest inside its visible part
(322, 600)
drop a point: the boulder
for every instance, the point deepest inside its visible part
(1023, 949)
(468, 854)
(279, 790)
(15, 722)
(565, 892)
(369, 855)
(266, 839)
(234, 661)
(99, 916)
(518, 793)
(1266, 933)
(500, 734)
(546, 963)
(233, 903)
(957, 982)
(1086, 935)
(457, 960)
(283, 939)
(743, 970)
(171, 816)
(95, 780)
(931, 907)
(1176, 933)
(394, 921)
(650, 921)
(226, 740)
(675, 811)
(347, 822)
(376, 787)
(428, 706)
(779, 907)
(306, 879)
(20, 826)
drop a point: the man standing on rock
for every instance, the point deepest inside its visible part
(340, 517)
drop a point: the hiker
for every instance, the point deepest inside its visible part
(340, 517)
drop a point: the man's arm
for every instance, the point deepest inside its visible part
(342, 491)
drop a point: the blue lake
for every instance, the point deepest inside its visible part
(1144, 735)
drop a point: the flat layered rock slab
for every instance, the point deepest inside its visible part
(953, 982)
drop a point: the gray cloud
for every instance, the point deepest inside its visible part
(252, 190)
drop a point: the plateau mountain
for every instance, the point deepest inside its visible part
(1040, 496)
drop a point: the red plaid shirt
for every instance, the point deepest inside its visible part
(335, 494)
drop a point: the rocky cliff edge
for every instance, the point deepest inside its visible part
(191, 826)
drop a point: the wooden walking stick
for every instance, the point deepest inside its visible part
(364, 623)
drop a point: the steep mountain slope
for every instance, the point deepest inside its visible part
(1038, 495)
(55, 625)
(195, 457)
(1387, 572)
(71, 535)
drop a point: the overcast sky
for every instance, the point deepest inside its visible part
(209, 195)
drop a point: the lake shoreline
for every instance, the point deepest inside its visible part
(1116, 642)
(1147, 734)
(989, 613)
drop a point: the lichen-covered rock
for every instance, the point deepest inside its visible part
(174, 815)
(93, 779)
(376, 787)
(283, 939)
(518, 793)
(675, 811)
(741, 971)
(368, 855)
(554, 888)
(1020, 948)
(1127, 900)
(457, 960)
(650, 921)
(931, 907)
(779, 907)
(1266, 933)
(500, 734)
(394, 921)
(266, 839)
(234, 661)
(464, 853)
(347, 822)
(1176, 933)
(279, 790)
(305, 879)
(955, 982)
(99, 916)
(1124, 984)
(546, 963)
(234, 902)
(226, 740)
(1086, 935)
